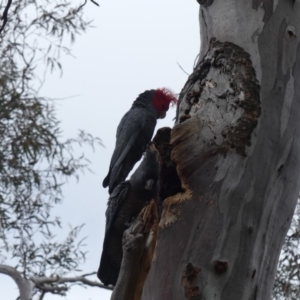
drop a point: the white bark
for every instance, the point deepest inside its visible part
(46, 284)
(25, 286)
(50, 284)
(237, 152)
(233, 21)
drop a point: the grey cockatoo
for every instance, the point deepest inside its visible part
(124, 205)
(135, 132)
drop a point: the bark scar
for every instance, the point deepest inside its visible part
(224, 93)
(189, 276)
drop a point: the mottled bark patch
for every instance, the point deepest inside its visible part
(224, 93)
(169, 216)
(267, 6)
(220, 266)
(170, 212)
(189, 276)
(290, 33)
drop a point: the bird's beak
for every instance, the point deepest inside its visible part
(162, 114)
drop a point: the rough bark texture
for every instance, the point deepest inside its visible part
(236, 149)
(138, 247)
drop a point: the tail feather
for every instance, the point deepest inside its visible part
(110, 263)
(106, 273)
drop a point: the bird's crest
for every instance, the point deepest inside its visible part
(163, 98)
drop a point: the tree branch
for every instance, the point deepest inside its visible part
(5, 13)
(25, 286)
(45, 283)
(95, 2)
(182, 69)
(42, 295)
(133, 245)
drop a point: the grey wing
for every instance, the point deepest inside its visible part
(128, 131)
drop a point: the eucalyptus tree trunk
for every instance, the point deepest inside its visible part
(235, 149)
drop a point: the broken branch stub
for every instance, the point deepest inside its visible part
(139, 242)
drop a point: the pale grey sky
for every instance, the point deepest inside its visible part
(134, 46)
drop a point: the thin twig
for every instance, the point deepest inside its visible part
(42, 295)
(196, 60)
(89, 274)
(85, 2)
(81, 6)
(182, 69)
(4, 16)
(52, 284)
(95, 2)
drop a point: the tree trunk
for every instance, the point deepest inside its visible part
(235, 146)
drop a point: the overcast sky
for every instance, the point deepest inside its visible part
(134, 46)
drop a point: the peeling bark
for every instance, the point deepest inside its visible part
(138, 247)
(236, 149)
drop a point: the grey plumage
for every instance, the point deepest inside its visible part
(124, 204)
(135, 132)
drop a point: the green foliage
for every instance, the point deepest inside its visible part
(35, 161)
